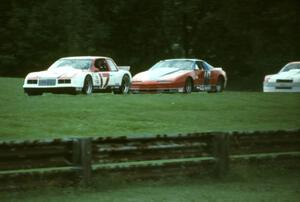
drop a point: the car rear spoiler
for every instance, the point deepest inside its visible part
(218, 68)
(124, 67)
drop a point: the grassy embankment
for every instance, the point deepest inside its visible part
(55, 116)
(50, 116)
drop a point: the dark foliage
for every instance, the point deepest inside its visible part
(249, 38)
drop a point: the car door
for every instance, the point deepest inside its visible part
(96, 76)
(115, 75)
(105, 72)
(203, 76)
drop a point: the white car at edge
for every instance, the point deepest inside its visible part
(286, 80)
(83, 74)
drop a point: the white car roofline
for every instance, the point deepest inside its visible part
(191, 59)
(86, 57)
(295, 62)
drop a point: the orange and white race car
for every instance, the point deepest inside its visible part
(180, 75)
(83, 74)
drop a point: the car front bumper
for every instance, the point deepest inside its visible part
(51, 85)
(57, 90)
(281, 87)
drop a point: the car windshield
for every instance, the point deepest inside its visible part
(176, 64)
(289, 67)
(71, 63)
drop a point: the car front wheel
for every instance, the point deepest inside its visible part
(88, 86)
(188, 87)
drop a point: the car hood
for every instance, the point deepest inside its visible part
(292, 74)
(67, 72)
(159, 74)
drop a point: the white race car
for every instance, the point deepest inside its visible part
(286, 80)
(83, 74)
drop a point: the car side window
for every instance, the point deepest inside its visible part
(200, 65)
(112, 65)
(101, 65)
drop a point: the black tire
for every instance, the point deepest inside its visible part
(87, 86)
(220, 85)
(188, 86)
(125, 86)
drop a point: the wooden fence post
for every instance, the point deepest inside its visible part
(221, 153)
(82, 157)
(76, 153)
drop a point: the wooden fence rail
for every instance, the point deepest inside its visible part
(162, 154)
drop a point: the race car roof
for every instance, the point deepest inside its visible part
(295, 62)
(86, 57)
(192, 59)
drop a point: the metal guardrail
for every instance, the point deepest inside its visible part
(160, 154)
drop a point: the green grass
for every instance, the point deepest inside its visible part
(55, 116)
(248, 183)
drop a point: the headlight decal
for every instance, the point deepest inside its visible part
(32, 81)
(64, 81)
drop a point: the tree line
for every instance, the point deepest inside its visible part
(248, 38)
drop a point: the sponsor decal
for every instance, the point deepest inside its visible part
(206, 77)
(104, 79)
(97, 79)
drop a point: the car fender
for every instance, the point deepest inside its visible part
(180, 80)
(190, 74)
(121, 74)
(78, 80)
(215, 74)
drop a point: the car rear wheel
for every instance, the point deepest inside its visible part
(220, 85)
(88, 86)
(125, 85)
(188, 87)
